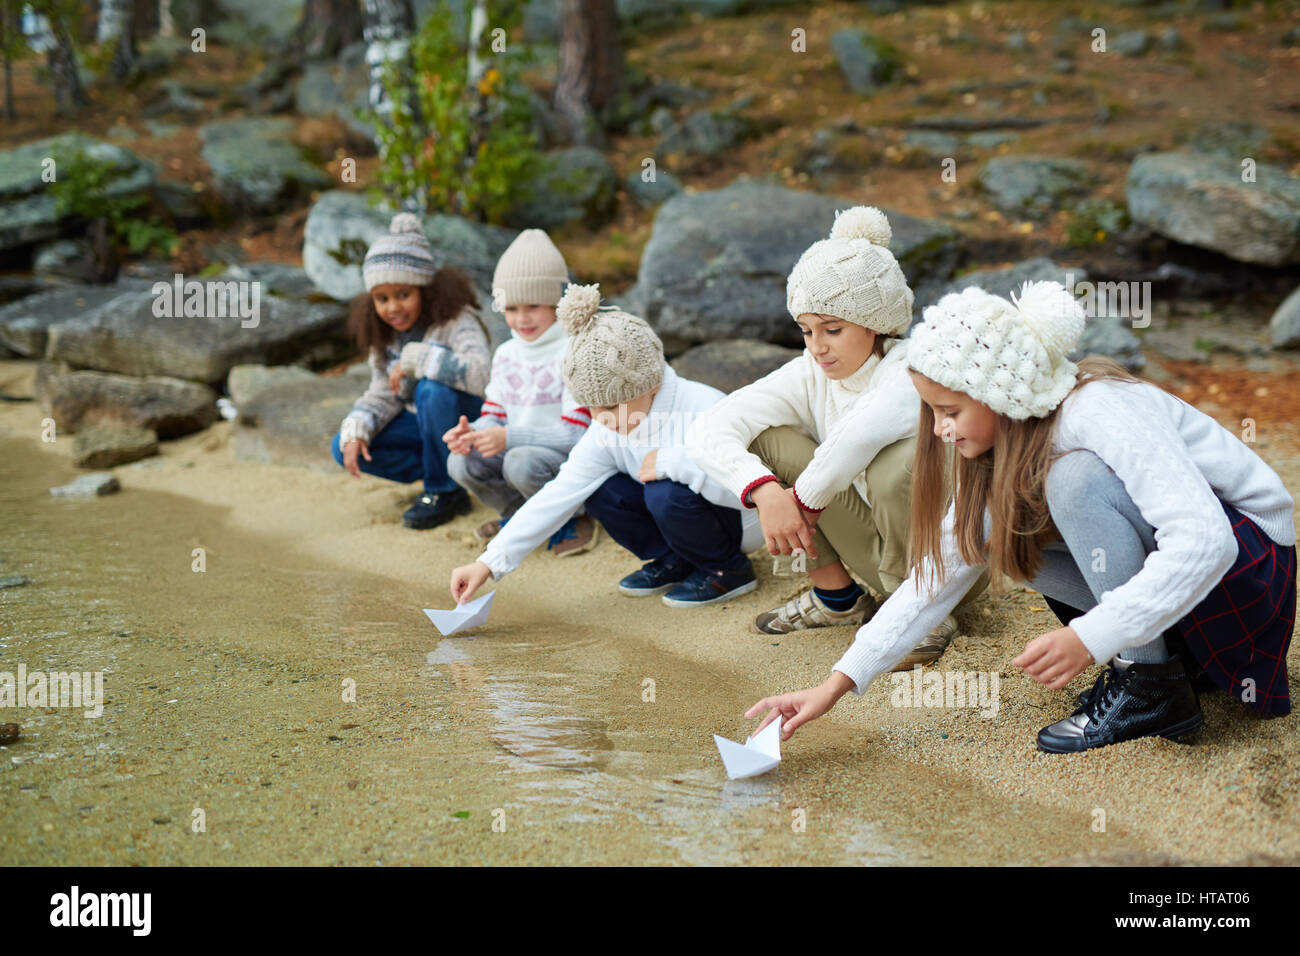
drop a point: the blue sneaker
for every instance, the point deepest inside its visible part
(709, 587)
(654, 578)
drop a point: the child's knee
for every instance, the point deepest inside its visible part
(458, 468)
(434, 396)
(521, 467)
(889, 475)
(785, 450)
(1079, 476)
(669, 498)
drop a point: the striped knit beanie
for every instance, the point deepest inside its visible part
(530, 272)
(1010, 356)
(404, 256)
(612, 357)
(853, 276)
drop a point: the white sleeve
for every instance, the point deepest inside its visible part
(1195, 545)
(909, 614)
(583, 472)
(719, 438)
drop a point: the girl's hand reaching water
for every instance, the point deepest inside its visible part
(801, 706)
(467, 579)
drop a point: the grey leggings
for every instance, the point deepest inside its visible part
(1101, 527)
(503, 482)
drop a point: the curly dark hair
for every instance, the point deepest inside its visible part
(440, 302)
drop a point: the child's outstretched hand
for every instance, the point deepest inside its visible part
(350, 452)
(1055, 658)
(801, 706)
(456, 437)
(467, 579)
(784, 527)
(489, 442)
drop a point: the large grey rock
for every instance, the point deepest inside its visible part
(292, 423)
(1034, 185)
(867, 62)
(573, 185)
(168, 406)
(123, 334)
(25, 322)
(88, 486)
(1201, 200)
(704, 134)
(733, 363)
(662, 188)
(105, 446)
(1103, 334)
(245, 381)
(342, 225)
(256, 167)
(1284, 326)
(717, 262)
(339, 88)
(27, 212)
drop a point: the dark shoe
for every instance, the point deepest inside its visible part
(429, 511)
(654, 578)
(1201, 683)
(709, 587)
(1129, 701)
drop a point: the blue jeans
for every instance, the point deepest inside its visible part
(411, 446)
(665, 518)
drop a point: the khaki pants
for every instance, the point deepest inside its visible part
(868, 537)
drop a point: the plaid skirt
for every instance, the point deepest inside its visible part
(1240, 633)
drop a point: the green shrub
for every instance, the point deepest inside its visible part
(82, 190)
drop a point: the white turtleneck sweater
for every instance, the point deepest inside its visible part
(526, 394)
(1176, 464)
(851, 419)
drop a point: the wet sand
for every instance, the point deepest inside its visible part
(225, 693)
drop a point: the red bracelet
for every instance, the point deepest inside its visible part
(744, 495)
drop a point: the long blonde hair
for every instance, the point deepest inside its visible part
(1008, 480)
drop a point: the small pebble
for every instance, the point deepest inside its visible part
(88, 486)
(9, 733)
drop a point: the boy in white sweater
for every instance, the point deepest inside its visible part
(823, 446)
(632, 471)
(530, 421)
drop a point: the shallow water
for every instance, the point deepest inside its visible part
(530, 740)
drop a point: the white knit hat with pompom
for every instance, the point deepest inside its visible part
(612, 357)
(402, 257)
(1011, 356)
(853, 275)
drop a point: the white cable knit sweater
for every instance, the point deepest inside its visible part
(602, 453)
(1176, 463)
(851, 419)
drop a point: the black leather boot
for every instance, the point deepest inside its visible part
(1129, 701)
(429, 511)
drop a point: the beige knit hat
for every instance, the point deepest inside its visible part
(1009, 355)
(853, 276)
(530, 272)
(612, 357)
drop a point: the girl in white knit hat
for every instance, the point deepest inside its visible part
(632, 472)
(823, 446)
(530, 421)
(1165, 545)
(429, 360)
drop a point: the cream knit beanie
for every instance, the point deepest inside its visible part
(530, 272)
(403, 256)
(1011, 356)
(612, 357)
(852, 275)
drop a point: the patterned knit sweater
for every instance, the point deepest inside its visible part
(455, 353)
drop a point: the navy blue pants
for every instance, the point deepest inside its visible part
(411, 446)
(665, 518)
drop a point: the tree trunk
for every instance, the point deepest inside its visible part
(326, 27)
(69, 94)
(166, 22)
(122, 20)
(389, 26)
(590, 68)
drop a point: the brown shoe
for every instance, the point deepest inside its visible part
(585, 534)
(488, 530)
(805, 611)
(932, 645)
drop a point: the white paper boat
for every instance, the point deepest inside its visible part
(467, 615)
(756, 755)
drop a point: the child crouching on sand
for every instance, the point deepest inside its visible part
(429, 360)
(823, 446)
(529, 421)
(632, 471)
(1165, 545)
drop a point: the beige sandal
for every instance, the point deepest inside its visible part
(805, 611)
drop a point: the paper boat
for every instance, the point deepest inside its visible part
(756, 755)
(467, 615)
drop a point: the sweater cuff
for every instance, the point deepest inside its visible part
(744, 495)
(1096, 634)
(412, 356)
(351, 430)
(496, 563)
(801, 503)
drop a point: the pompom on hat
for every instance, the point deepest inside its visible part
(853, 275)
(612, 357)
(1011, 356)
(404, 256)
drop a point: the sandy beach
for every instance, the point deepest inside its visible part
(535, 739)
